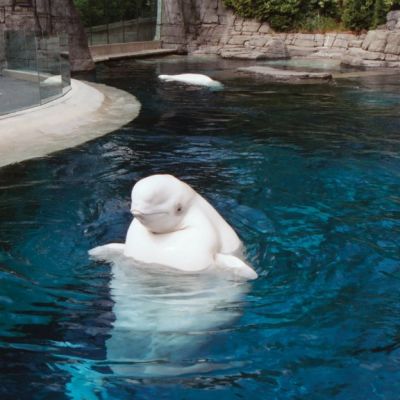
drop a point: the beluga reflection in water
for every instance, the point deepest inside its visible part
(164, 324)
(162, 319)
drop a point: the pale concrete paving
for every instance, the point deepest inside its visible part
(88, 111)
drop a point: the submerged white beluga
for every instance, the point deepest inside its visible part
(192, 79)
(161, 326)
(54, 80)
(176, 227)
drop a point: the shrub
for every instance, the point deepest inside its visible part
(316, 15)
(379, 15)
(322, 8)
(318, 23)
(284, 15)
(243, 8)
(357, 14)
(393, 4)
(281, 15)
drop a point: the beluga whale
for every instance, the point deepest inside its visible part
(192, 79)
(176, 228)
(52, 81)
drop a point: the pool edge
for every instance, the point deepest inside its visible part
(87, 111)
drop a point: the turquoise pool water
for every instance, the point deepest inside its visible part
(310, 178)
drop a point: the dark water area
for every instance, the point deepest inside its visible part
(308, 175)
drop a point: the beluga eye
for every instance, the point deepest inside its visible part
(179, 208)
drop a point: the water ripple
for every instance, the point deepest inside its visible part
(309, 176)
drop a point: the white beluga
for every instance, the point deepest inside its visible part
(192, 79)
(175, 227)
(54, 80)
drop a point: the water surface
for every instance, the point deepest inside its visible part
(309, 176)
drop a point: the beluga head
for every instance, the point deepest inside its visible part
(160, 203)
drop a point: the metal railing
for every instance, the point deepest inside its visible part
(33, 70)
(120, 21)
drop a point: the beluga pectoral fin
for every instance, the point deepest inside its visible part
(235, 266)
(107, 252)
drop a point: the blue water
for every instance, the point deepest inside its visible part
(309, 176)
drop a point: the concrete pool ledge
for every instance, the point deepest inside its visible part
(88, 111)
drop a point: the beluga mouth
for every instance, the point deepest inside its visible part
(140, 214)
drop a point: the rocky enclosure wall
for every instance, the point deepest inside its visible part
(50, 17)
(206, 26)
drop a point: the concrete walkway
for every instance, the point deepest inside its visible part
(135, 54)
(88, 111)
(117, 51)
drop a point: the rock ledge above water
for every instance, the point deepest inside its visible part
(286, 75)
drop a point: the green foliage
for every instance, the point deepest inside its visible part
(316, 15)
(280, 14)
(99, 12)
(242, 7)
(326, 8)
(358, 14)
(318, 23)
(83, 8)
(365, 14)
(289, 14)
(379, 15)
(393, 4)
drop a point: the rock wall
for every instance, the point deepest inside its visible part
(50, 17)
(194, 24)
(207, 26)
(255, 40)
(380, 48)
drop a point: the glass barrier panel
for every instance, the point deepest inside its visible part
(2, 52)
(65, 64)
(19, 81)
(33, 70)
(49, 68)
